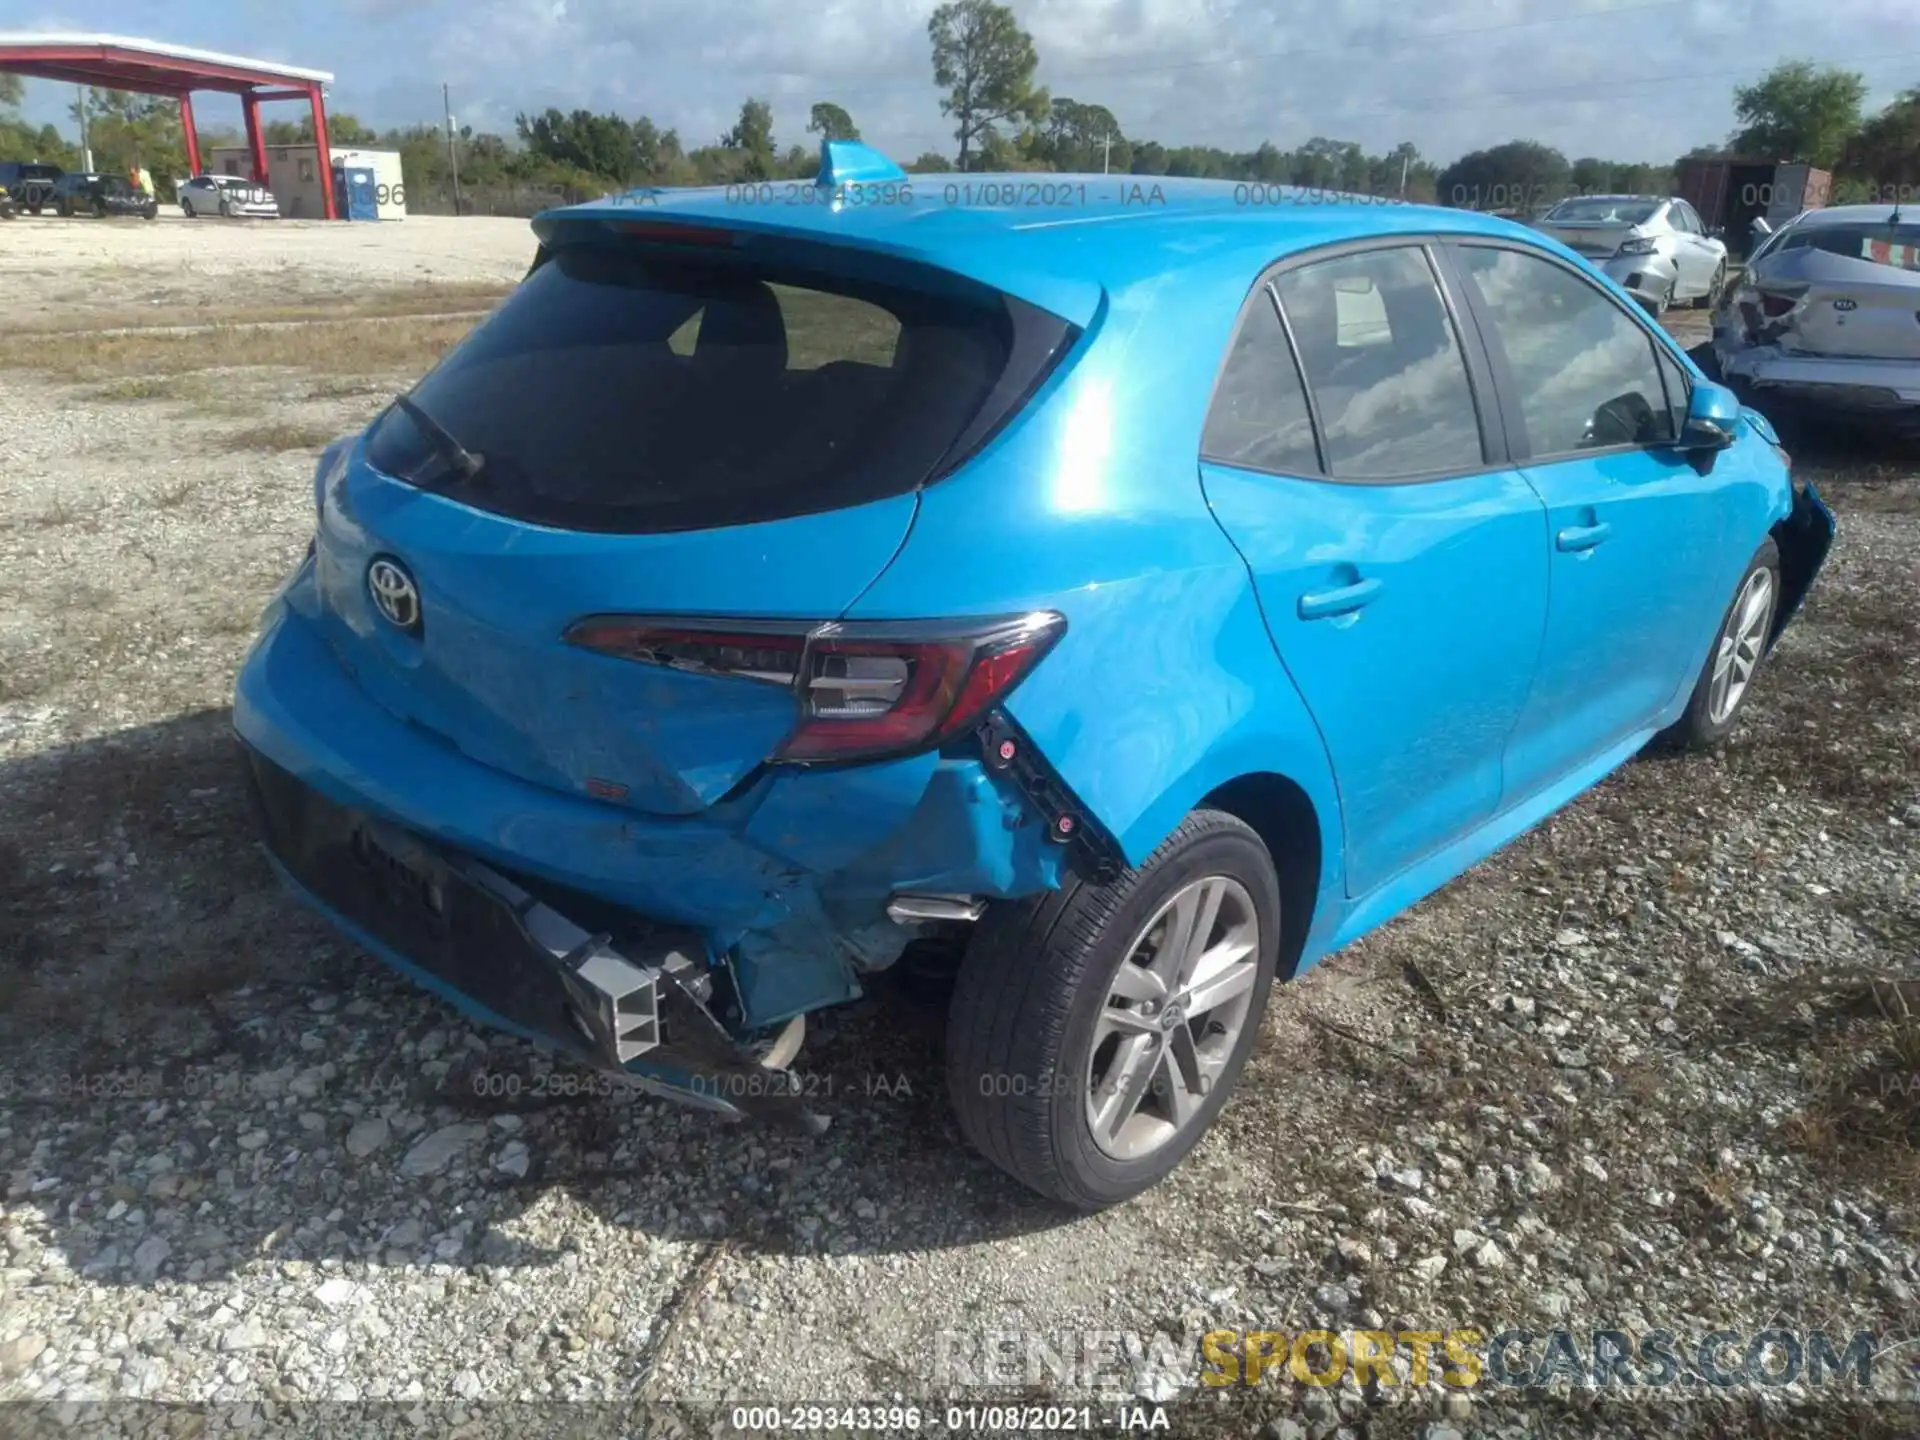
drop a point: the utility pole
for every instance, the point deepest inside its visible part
(86, 150)
(1106, 152)
(453, 151)
(1404, 160)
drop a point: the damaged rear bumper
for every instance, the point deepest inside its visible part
(1883, 389)
(633, 1005)
(786, 885)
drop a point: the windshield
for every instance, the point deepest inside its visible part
(1883, 244)
(1601, 211)
(647, 391)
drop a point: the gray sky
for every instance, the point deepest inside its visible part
(1626, 79)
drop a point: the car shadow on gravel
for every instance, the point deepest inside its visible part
(198, 1073)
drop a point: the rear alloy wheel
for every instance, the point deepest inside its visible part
(1096, 1032)
(1712, 297)
(1739, 647)
(186, 208)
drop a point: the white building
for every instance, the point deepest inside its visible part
(293, 175)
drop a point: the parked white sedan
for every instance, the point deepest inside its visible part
(227, 195)
(1656, 247)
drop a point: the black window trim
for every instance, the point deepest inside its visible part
(1519, 443)
(1481, 385)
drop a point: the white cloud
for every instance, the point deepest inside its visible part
(1647, 81)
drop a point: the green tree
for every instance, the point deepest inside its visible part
(930, 163)
(123, 128)
(12, 89)
(752, 138)
(1885, 155)
(985, 63)
(1519, 175)
(1082, 137)
(19, 140)
(1149, 158)
(830, 122)
(1798, 111)
(597, 145)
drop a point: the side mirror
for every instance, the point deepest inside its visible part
(1718, 232)
(1712, 423)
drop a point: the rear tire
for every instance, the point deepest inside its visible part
(1042, 1043)
(1733, 663)
(186, 209)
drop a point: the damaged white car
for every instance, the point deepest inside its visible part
(1827, 317)
(1657, 249)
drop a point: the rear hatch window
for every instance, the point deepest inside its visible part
(643, 390)
(1896, 245)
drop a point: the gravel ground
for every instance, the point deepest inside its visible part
(1607, 1079)
(52, 269)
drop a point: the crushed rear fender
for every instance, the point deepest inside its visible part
(1803, 538)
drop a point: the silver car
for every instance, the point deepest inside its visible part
(227, 195)
(1827, 316)
(1656, 248)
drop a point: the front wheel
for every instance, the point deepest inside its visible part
(1739, 647)
(1095, 1033)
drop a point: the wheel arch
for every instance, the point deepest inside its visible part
(1280, 812)
(1803, 539)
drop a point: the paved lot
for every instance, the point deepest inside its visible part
(1606, 1079)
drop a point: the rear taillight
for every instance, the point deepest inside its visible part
(862, 691)
(1774, 306)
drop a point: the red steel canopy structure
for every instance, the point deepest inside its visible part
(148, 67)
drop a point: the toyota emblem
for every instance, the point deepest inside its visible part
(394, 594)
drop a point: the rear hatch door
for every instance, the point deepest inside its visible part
(643, 431)
(1864, 306)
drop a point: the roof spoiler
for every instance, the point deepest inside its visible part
(848, 162)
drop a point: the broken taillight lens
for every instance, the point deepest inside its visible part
(1774, 306)
(863, 691)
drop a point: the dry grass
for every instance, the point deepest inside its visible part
(278, 435)
(409, 345)
(387, 303)
(1861, 1030)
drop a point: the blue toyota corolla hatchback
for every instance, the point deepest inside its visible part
(1150, 585)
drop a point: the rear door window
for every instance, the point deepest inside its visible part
(1383, 364)
(640, 390)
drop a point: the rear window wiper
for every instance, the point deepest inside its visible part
(450, 449)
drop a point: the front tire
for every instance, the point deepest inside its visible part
(1739, 647)
(1096, 1032)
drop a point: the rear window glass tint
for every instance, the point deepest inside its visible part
(640, 391)
(1259, 417)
